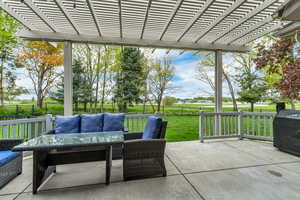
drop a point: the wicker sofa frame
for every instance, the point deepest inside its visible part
(13, 168)
(144, 158)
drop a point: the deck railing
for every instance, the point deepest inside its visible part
(29, 128)
(213, 125)
(25, 128)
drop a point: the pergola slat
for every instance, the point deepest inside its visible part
(120, 18)
(177, 6)
(13, 14)
(91, 8)
(219, 19)
(180, 24)
(40, 14)
(67, 15)
(260, 34)
(253, 13)
(269, 19)
(195, 18)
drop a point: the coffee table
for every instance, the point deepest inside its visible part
(60, 149)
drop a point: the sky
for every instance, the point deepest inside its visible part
(185, 81)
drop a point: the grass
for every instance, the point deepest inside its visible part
(183, 120)
(182, 128)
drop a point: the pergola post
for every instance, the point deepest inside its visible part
(218, 89)
(68, 79)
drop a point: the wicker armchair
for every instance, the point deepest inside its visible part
(144, 157)
(13, 168)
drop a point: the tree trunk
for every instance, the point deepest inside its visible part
(113, 106)
(104, 83)
(144, 105)
(76, 106)
(122, 107)
(252, 107)
(153, 107)
(96, 95)
(84, 106)
(97, 81)
(158, 104)
(231, 90)
(40, 101)
(40, 98)
(1, 84)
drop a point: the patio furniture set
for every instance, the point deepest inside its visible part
(88, 138)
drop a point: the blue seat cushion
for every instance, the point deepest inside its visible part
(7, 156)
(152, 128)
(67, 124)
(91, 123)
(113, 122)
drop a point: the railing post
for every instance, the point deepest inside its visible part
(240, 124)
(218, 124)
(48, 122)
(201, 126)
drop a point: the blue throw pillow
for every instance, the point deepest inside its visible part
(152, 128)
(67, 124)
(91, 123)
(113, 122)
(7, 156)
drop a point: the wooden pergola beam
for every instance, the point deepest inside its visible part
(198, 15)
(91, 8)
(59, 37)
(175, 10)
(235, 5)
(67, 15)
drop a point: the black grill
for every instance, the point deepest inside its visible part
(287, 131)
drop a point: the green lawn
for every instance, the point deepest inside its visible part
(177, 109)
(183, 120)
(182, 128)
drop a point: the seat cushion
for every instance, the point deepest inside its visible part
(91, 123)
(67, 124)
(7, 156)
(152, 128)
(113, 122)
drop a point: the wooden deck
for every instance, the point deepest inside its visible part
(214, 170)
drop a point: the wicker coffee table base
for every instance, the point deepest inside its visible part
(44, 162)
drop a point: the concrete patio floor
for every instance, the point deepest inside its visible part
(214, 170)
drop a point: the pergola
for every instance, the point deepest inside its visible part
(215, 25)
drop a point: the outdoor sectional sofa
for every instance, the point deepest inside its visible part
(87, 123)
(10, 162)
(142, 152)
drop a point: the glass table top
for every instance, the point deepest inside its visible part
(59, 141)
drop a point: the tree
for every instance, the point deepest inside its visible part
(205, 73)
(278, 62)
(106, 70)
(129, 78)
(169, 101)
(12, 90)
(252, 86)
(41, 60)
(8, 41)
(81, 90)
(160, 76)
(289, 84)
